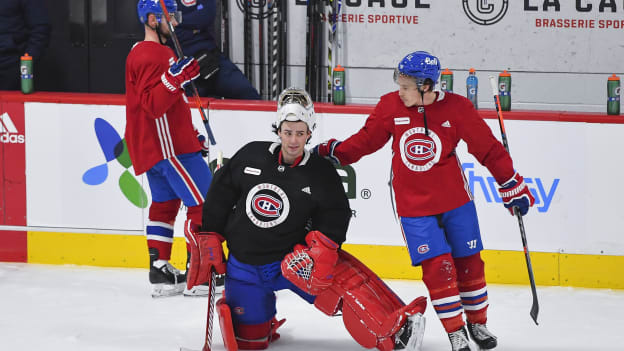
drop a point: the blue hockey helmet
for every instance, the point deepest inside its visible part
(421, 65)
(145, 7)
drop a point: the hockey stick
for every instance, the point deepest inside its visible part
(501, 123)
(212, 282)
(178, 48)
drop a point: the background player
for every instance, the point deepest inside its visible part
(436, 208)
(219, 76)
(162, 141)
(284, 214)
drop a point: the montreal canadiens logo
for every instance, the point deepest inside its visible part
(420, 152)
(267, 205)
(423, 249)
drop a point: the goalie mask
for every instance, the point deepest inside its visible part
(295, 104)
(421, 66)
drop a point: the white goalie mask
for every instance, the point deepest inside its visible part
(295, 104)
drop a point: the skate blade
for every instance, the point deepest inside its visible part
(167, 290)
(418, 323)
(201, 291)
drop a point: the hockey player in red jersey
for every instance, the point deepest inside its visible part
(162, 141)
(284, 214)
(433, 200)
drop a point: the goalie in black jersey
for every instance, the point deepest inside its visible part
(283, 213)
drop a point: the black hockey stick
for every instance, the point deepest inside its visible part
(501, 123)
(178, 48)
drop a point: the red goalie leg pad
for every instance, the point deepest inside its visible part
(372, 313)
(257, 336)
(440, 277)
(227, 328)
(472, 287)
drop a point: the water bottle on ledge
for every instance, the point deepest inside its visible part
(613, 93)
(472, 86)
(26, 72)
(504, 90)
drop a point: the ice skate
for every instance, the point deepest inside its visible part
(203, 290)
(482, 336)
(459, 340)
(411, 335)
(166, 280)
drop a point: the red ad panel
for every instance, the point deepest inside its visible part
(12, 180)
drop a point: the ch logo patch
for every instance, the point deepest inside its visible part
(420, 152)
(267, 205)
(423, 249)
(189, 3)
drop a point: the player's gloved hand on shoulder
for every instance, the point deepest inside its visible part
(206, 252)
(205, 145)
(515, 193)
(326, 149)
(311, 268)
(180, 73)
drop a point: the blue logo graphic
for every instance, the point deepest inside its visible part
(542, 193)
(114, 148)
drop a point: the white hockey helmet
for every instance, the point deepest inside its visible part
(294, 104)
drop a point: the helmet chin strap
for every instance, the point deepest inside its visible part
(422, 100)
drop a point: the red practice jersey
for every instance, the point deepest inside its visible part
(158, 118)
(427, 174)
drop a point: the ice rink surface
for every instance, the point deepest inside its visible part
(72, 308)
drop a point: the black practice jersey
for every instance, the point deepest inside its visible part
(263, 208)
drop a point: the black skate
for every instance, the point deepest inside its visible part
(459, 340)
(166, 280)
(410, 337)
(482, 336)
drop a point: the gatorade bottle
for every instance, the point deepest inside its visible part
(613, 93)
(26, 71)
(472, 86)
(339, 83)
(446, 81)
(504, 90)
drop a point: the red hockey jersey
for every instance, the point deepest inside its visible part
(158, 120)
(427, 174)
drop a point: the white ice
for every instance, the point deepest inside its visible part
(69, 308)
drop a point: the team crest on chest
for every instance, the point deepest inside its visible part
(420, 152)
(267, 205)
(189, 3)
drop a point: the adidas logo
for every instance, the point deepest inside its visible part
(446, 124)
(307, 190)
(8, 131)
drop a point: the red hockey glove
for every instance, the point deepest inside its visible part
(180, 73)
(515, 193)
(312, 268)
(326, 150)
(206, 252)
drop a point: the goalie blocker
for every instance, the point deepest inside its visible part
(372, 313)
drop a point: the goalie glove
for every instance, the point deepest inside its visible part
(180, 73)
(311, 268)
(515, 193)
(206, 252)
(326, 150)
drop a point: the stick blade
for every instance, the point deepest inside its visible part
(534, 310)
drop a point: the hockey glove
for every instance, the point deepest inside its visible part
(205, 145)
(208, 62)
(180, 73)
(327, 149)
(311, 268)
(206, 252)
(515, 193)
